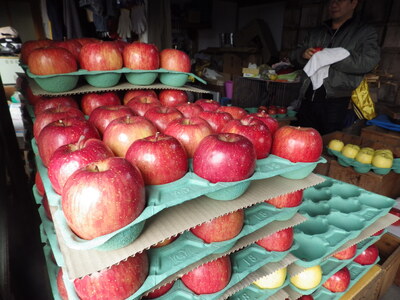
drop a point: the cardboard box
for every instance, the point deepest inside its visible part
(250, 72)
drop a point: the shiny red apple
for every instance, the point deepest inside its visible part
(51, 60)
(46, 206)
(287, 200)
(141, 104)
(138, 93)
(279, 241)
(368, 256)
(103, 56)
(161, 116)
(217, 120)
(271, 122)
(235, 111)
(338, 282)
(91, 101)
(208, 104)
(281, 110)
(141, 56)
(173, 98)
(189, 109)
(175, 60)
(87, 40)
(46, 103)
(39, 184)
(101, 116)
(346, 253)
(72, 46)
(61, 286)
(28, 46)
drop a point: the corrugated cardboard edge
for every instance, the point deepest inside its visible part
(124, 86)
(293, 295)
(175, 220)
(279, 295)
(379, 224)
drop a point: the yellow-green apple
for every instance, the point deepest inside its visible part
(137, 93)
(272, 281)
(387, 151)
(46, 103)
(209, 278)
(160, 158)
(141, 56)
(122, 132)
(51, 60)
(208, 104)
(307, 279)
(62, 290)
(297, 144)
(280, 241)
(102, 116)
(161, 116)
(235, 111)
(28, 46)
(346, 253)
(271, 123)
(69, 158)
(189, 132)
(350, 150)
(63, 132)
(338, 282)
(175, 60)
(72, 46)
(224, 157)
(39, 184)
(222, 228)
(103, 56)
(172, 98)
(189, 109)
(287, 200)
(336, 145)
(255, 130)
(110, 190)
(141, 104)
(382, 160)
(160, 291)
(217, 120)
(128, 275)
(365, 155)
(368, 256)
(91, 101)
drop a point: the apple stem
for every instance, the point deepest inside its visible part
(157, 135)
(96, 168)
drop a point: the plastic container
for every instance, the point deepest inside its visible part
(52, 270)
(56, 83)
(229, 89)
(255, 293)
(176, 79)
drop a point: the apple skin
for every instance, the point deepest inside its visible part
(28, 46)
(46, 103)
(220, 229)
(346, 253)
(189, 109)
(72, 46)
(61, 286)
(103, 56)
(281, 110)
(208, 104)
(113, 193)
(172, 98)
(336, 145)
(160, 291)
(189, 132)
(224, 157)
(297, 144)
(255, 130)
(379, 232)
(165, 242)
(235, 111)
(141, 104)
(53, 114)
(69, 158)
(91, 101)
(102, 116)
(136, 93)
(86, 40)
(39, 184)
(161, 116)
(272, 111)
(51, 60)
(350, 150)
(279, 241)
(209, 278)
(141, 56)
(127, 275)
(217, 120)
(63, 132)
(338, 282)
(122, 132)
(160, 158)
(46, 206)
(271, 123)
(287, 200)
(306, 297)
(272, 281)
(175, 60)
(368, 256)
(382, 160)
(308, 279)
(395, 211)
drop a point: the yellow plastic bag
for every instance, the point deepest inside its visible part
(362, 102)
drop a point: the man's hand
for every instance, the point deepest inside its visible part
(309, 53)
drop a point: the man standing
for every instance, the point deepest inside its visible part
(325, 108)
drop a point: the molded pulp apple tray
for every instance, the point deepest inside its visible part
(187, 188)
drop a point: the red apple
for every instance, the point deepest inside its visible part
(51, 60)
(287, 200)
(72, 46)
(46, 206)
(117, 282)
(28, 46)
(61, 286)
(208, 104)
(138, 93)
(161, 116)
(221, 228)
(141, 104)
(271, 123)
(173, 98)
(160, 158)
(368, 256)
(224, 157)
(91, 101)
(103, 197)
(141, 56)
(28, 94)
(217, 120)
(281, 110)
(175, 60)
(346, 253)
(262, 108)
(71, 157)
(165, 242)
(209, 278)
(101, 116)
(53, 114)
(395, 211)
(255, 130)
(46, 103)
(122, 132)
(272, 111)
(84, 41)
(189, 109)
(279, 241)
(378, 232)
(39, 184)
(297, 144)
(121, 45)
(306, 297)
(338, 282)
(235, 111)
(317, 49)
(63, 132)
(189, 131)
(160, 291)
(104, 56)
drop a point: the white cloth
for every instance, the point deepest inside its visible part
(317, 67)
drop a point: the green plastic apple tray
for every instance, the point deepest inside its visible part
(364, 168)
(255, 293)
(336, 212)
(52, 270)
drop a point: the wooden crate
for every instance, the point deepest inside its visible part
(385, 137)
(368, 287)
